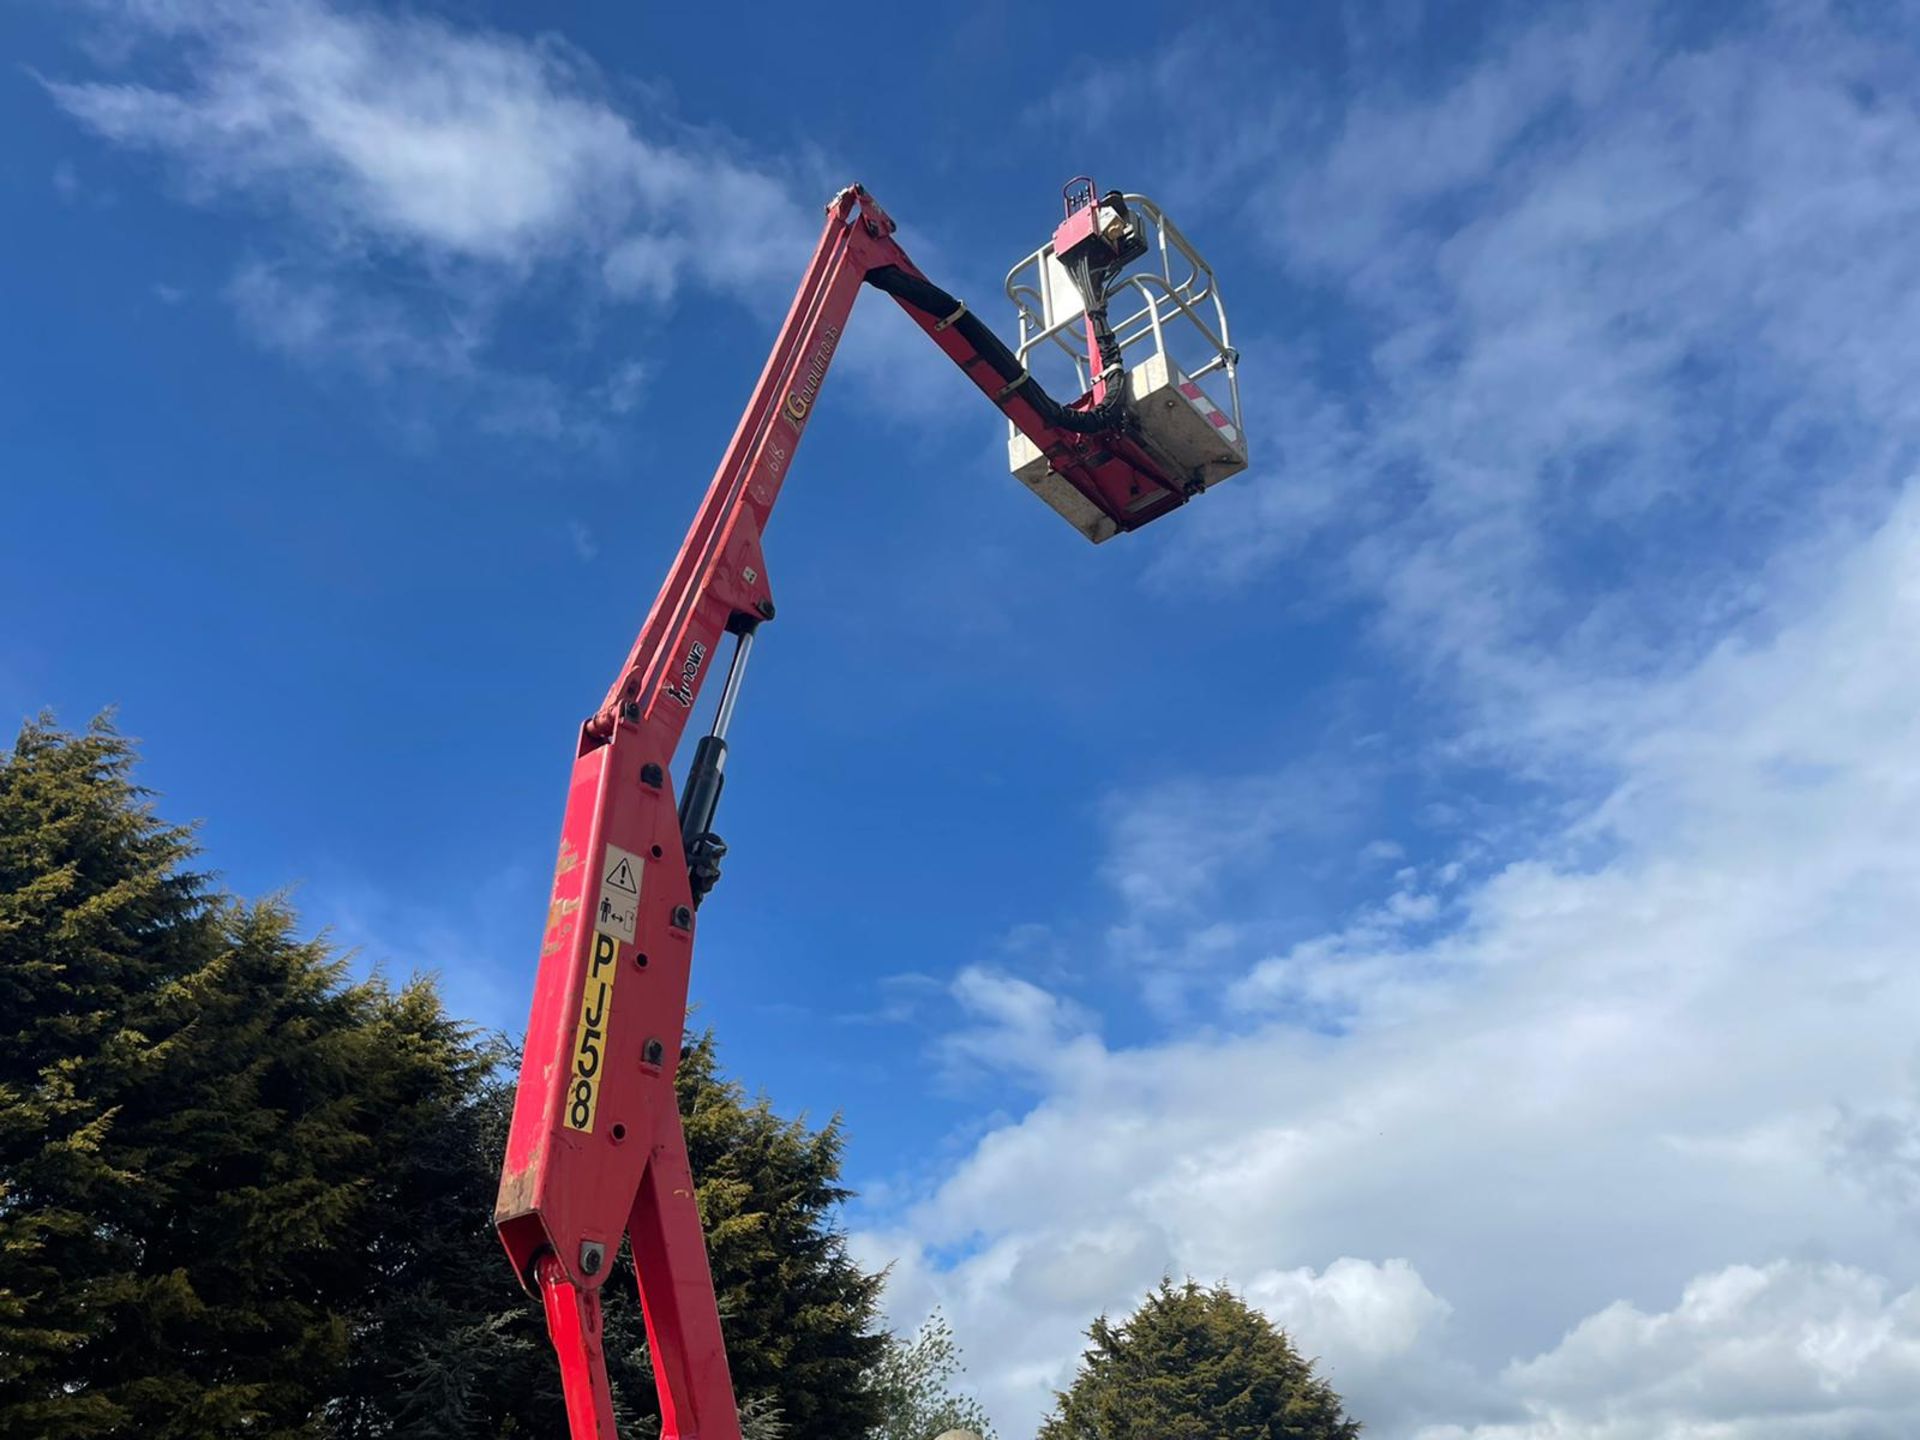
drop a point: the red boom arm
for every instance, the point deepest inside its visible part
(596, 1150)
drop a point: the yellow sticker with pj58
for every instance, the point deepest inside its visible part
(590, 1040)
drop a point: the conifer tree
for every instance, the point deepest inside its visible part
(446, 1346)
(202, 1126)
(1195, 1364)
(94, 906)
(243, 1195)
(801, 1318)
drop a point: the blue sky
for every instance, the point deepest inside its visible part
(1455, 881)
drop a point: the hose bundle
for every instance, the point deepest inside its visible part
(920, 293)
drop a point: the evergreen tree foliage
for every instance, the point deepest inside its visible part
(913, 1383)
(196, 1110)
(92, 904)
(243, 1195)
(801, 1317)
(1195, 1364)
(446, 1344)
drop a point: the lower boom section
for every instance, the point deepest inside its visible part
(596, 1153)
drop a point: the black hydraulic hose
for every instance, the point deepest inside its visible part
(929, 299)
(1091, 282)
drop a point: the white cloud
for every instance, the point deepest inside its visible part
(1878, 1149)
(1611, 296)
(417, 175)
(1015, 1027)
(302, 314)
(584, 545)
(1786, 1351)
(1605, 1075)
(644, 266)
(1623, 478)
(429, 183)
(323, 317)
(626, 387)
(404, 133)
(1174, 845)
(1359, 1312)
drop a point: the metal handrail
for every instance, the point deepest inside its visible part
(1164, 298)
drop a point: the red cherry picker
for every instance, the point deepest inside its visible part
(596, 1152)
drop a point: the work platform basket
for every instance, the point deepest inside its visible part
(1170, 323)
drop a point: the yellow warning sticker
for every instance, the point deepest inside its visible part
(590, 1040)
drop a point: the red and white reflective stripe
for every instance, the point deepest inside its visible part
(1212, 411)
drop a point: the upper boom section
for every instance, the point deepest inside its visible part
(1117, 457)
(720, 567)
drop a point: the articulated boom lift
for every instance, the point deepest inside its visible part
(596, 1150)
